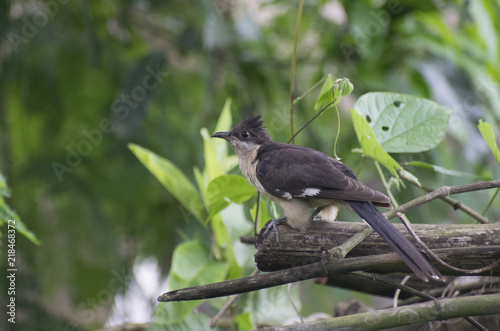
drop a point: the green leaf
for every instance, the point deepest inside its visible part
(343, 87)
(235, 226)
(7, 214)
(489, 136)
(212, 165)
(445, 171)
(201, 182)
(171, 178)
(191, 266)
(404, 123)
(370, 145)
(244, 322)
(333, 90)
(226, 162)
(190, 261)
(226, 189)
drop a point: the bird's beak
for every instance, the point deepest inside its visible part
(224, 135)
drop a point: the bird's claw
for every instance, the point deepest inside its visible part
(272, 224)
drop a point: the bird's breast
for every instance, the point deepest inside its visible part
(248, 166)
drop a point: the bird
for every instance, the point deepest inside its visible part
(299, 179)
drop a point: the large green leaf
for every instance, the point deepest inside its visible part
(217, 161)
(223, 124)
(489, 137)
(370, 145)
(171, 178)
(212, 166)
(191, 266)
(404, 123)
(226, 189)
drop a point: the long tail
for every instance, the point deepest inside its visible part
(415, 259)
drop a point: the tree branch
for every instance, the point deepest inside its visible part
(441, 192)
(434, 310)
(452, 202)
(323, 268)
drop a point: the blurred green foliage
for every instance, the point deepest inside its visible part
(81, 80)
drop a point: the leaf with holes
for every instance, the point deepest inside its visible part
(404, 123)
(370, 145)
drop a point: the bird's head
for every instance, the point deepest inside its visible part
(246, 136)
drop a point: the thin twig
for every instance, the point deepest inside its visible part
(437, 259)
(442, 192)
(299, 98)
(386, 185)
(257, 216)
(309, 122)
(294, 61)
(491, 201)
(293, 303)
(454, 203)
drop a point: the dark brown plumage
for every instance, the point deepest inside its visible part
(300, 178)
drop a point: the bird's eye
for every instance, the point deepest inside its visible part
(245, 134)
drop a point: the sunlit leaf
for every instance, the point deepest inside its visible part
(212, 165)
(223, 124)
(404, 123)
(370, 145)
(226, 189)
(171, 178)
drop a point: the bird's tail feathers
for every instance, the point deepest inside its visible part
(416, 260)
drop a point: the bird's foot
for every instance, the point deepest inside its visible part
(272, 224)
(315, 215)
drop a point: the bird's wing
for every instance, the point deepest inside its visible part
(288, 171)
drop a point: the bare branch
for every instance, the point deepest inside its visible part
(452, 202)
(438, 310)
(442, 192)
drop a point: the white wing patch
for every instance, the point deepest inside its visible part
(287, 195)
(310, 192)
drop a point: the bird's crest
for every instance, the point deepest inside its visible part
(255, 126)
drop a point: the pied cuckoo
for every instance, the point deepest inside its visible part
(300, 178)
